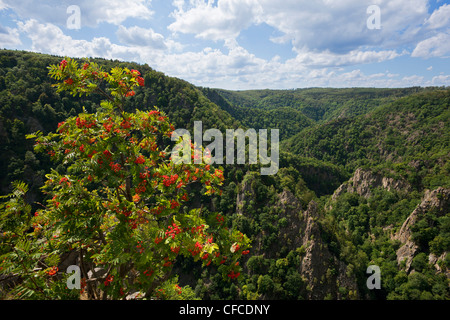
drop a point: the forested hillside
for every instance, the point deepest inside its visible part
(392, 147)
(411, 130)
(319, 104)
(364, 179)
(29, 103)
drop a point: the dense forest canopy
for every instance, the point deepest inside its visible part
(356, 165)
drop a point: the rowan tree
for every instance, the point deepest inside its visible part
(121, 204)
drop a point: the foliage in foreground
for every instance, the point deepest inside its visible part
(121, 204)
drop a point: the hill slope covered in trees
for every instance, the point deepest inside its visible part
(364, 179)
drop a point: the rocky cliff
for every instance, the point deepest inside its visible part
(364, 180)
(439, 200)
(323, 274)
(323, 271)
(433, 201)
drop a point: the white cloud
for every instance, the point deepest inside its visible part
(327, 37)
(318, 25)
(208, 21)
(323, 33)
(48, 38)
(414, 80)
(92, 12)
(231, 68)
(336, 26)
(212, 63)
(117, 11)
(141, 37)
(436, 46)
(9, 37)
(441, 80)
(440, 17)
(2, 5)
(355, 57)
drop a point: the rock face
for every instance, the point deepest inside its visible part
(291, 207)
(439, 199)
(433, 260)
(364, 180)
(246, 194)
(322, 272)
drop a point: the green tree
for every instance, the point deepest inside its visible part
(119, 203)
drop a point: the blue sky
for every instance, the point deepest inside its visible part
(247, 44)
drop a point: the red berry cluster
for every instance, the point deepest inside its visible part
(52, 271)
(140, 160)
(59, 125)
(178, 289)
(141, 187)
(168, 181)
(167, 262)
(198, 229)
(125, 124)
(233, 275)
(173, 230)
(148, 273)
(174, 204)
(63, 64)
(82, 123)
(197, 248)
(115, 166)
(139, 79)
(107, 127)
(139, 247)
(220, 218)
(108, 280)
(157, 210)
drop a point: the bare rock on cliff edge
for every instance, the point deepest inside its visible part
(437, 199)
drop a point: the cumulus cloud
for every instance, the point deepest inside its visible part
(414, 80)
(9, 37)
(318, 25)
(436, 46)
(2, 5)
(322, 33)
(116, 11)
(441, 80)
(92, 12)
(329, 59)
(440, 17)
(329, 39)
(141, 37)
(336, 26)
(213, 63)
(48, 38)
(220, 22)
